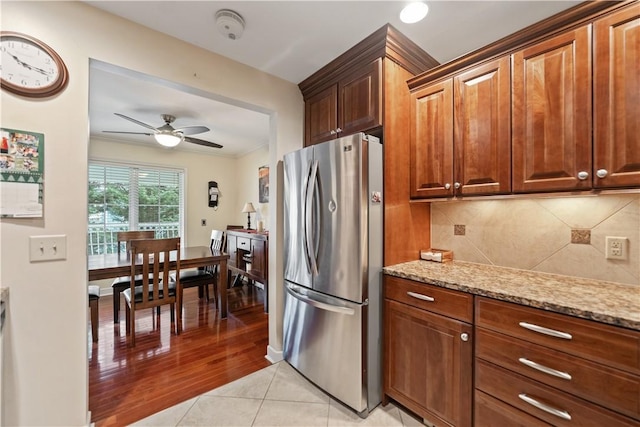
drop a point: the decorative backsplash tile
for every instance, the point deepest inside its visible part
(459, 230)
(540, 234)
(581, 236)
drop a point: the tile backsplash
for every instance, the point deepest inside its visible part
(564, 235)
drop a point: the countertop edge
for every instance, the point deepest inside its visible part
(518, 299)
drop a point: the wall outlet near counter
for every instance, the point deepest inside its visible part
(616, 248)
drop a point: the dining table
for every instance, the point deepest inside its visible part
(110, 266)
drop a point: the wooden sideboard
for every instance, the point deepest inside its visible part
(249, 257)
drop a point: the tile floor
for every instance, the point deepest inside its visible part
(274, 396)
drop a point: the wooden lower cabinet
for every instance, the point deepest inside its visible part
(428, 363)
(541, 401)
(556, 368)
(491, 412)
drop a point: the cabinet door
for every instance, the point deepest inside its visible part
(428, 367)
(259, 258)
(360, 97)
(431, 141)
(321, 116)
(482, 131)
(552, 114)
(617, 99)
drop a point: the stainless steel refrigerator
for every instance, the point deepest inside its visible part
(333, 267)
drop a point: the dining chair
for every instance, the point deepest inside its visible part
(157, 287)
(203, 277)
(122, 283)
(94, 296)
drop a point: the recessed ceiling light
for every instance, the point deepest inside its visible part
(414, 12)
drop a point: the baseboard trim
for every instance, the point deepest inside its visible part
(273, 355)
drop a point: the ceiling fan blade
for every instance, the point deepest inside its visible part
(129, 133)
(192, 130)
(136, 121)
(202, 142)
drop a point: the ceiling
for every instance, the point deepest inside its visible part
(288, 39)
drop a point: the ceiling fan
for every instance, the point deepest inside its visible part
(167, 135)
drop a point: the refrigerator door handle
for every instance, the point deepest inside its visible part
(319, 304)
(308, 207)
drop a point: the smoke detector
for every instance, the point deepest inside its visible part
(230, 23)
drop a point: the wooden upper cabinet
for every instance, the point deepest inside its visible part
(552, 114)
(349, 106)
(617, 99)
(461, 134)
(431, 140)
(321, 116)
(482, 130)
(360, 98)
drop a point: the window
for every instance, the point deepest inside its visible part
(129, 197)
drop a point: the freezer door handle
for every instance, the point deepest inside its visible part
(319, 304)
(308, 206)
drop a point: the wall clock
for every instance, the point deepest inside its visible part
(30, 67)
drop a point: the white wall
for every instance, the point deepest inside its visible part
(46, 335)
(247, 185)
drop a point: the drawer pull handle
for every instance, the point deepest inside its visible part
(551, 410)
(545, 369)
(545, 331)
(420, 296)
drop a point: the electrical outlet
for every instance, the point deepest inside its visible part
(47, 248)
(203, 222)
(616, 247)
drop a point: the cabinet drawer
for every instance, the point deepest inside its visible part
(458, 305)
(491, 412)
(613, 346)
(561, 409)
(244, 243)
(572, 374)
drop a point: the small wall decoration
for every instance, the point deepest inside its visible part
(21, 173)
(214, 195)
(263, 184)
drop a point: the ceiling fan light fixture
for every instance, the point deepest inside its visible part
(168, 138)
(414, 12)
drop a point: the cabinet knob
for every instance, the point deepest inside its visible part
(456, 185)
(582, 175)
(602, 173)
(338, 130)
(332, 132)
(447, 186)
(464, 337)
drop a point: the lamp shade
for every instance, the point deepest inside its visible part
(248, 208)
(168, 139)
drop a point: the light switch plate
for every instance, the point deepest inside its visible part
(47, 248)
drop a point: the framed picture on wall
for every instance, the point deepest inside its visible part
(263, 184)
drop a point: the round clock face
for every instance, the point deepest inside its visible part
(30, 67)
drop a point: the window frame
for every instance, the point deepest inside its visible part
(133, 203)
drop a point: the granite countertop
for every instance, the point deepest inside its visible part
(607, 302)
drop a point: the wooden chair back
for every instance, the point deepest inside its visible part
(157, 287)
(217, 239)
(127, 236)
(156, 258)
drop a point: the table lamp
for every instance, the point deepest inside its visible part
(248, 209)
